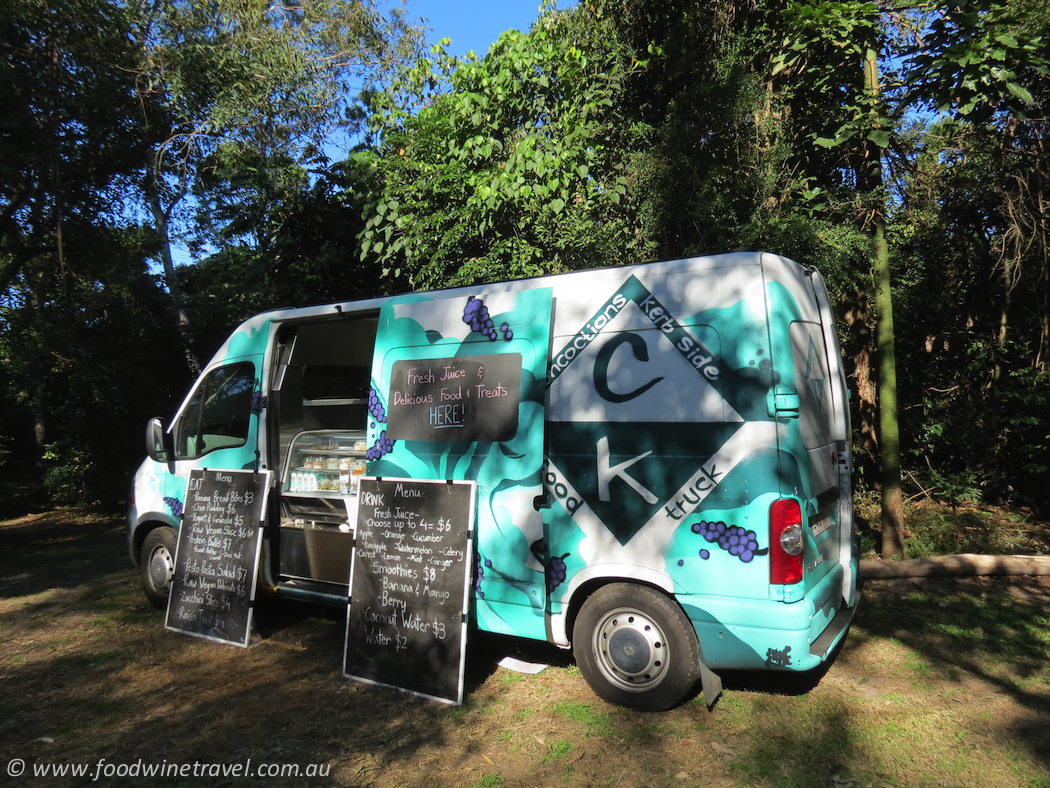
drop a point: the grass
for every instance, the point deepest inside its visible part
(933, 529)
(940, 682)
(488, 781)
(593, 721)
(557, 750)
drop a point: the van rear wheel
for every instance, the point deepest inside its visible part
(157, 565)
(635, 647)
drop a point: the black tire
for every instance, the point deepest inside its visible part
(636, 648)
(157, 565)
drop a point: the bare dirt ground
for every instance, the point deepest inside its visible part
(941, 682)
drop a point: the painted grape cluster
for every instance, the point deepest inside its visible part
(556, 570)
(383, 445)
(479, 575)
(476, 315)
(257, 401)
(174, 504)
(733, 539)
(375, 407)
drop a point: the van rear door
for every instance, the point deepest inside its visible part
(841, 431)
(816, 426)
(814, 435)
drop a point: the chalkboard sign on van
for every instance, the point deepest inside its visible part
(406, 623)
(466, 398)
(217, 558)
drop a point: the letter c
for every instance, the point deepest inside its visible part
(601, 367)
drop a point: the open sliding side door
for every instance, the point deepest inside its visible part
(458, 393)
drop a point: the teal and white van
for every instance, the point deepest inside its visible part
(661, 454)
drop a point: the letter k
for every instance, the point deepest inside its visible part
(607, 473)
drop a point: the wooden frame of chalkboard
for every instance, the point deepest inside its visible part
(217, 555)
(406, 625)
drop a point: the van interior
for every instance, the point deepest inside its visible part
(318, 403)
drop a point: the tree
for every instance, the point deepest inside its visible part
(67, 132)
(990, 63)
(512, 165)
(68, 143)
(91, 357)
(112, 108)
(849, 32)
(981, 187)
(291, 248)
(275, 79)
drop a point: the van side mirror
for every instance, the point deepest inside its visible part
(159, 444)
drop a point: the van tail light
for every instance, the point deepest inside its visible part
(785, 542)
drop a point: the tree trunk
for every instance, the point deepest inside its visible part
(858, 347)
(964, 564)
(39, 407)
(889, 429)
(171, 277)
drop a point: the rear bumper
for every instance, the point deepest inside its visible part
(746, 634)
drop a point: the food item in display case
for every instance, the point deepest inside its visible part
(325, 463)
(356, 473)
(344, 477)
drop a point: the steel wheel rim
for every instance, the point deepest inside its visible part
(161, 568)
(631, 650)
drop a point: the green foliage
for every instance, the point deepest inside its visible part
(938, 526)
(277, 77)
(294, 251)
(977, 419)
(68, 137)
(88, 357)
(514, 164)
(937, 532)
(826, 42)
(610, 133)
(115, 110)
(976, 57)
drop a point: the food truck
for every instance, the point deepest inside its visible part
(661, 454)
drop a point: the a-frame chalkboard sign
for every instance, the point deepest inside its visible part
(406, 624)
(217, 557)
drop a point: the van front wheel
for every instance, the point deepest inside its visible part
(635, 647)
(157, 565)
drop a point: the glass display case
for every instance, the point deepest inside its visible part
(319, 504)
(325, 463)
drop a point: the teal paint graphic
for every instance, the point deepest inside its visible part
(463, 399)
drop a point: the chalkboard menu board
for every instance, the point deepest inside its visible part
(406, 624)
(217, 557)
(466, 398)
